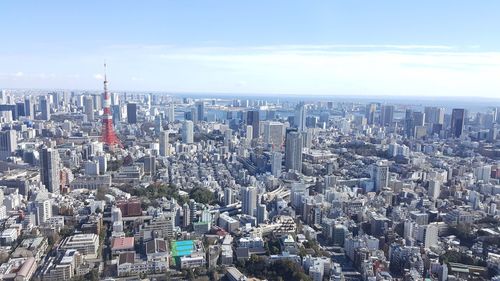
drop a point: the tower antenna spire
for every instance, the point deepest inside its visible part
(105, 71)
(105, 77)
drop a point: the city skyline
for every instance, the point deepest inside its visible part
(330, 48)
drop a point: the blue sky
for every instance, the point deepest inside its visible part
(428, 48)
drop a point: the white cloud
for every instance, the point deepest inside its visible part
(98, 77)
(19, 74)
(321, 69)
(136, 79)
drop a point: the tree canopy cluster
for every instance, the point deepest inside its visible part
(280, 270)
(202, 195)
(155, 191)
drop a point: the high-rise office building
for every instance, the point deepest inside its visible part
(116, 113)
(386, 115)
(49, 169)
(418, 118)
(274, 134)
(193, 208)
(187, 132)
(249, 200)
(409, 123)
(293, 151)
(370, 113)
(131, 113)
(380, 175)
(28, 107)
(300, 117)
(164, 143)
(254, 121)
(192, 115)
(88, 106)
(171, 113)
(457, 122)
(261, 213)
(200, 110)
(21, 110)
(42, 207)
(493, 132)
(186, 215)
(249, 132)
(8, 143)
(44, 108)
(55, 99)
(158, 124)
(434, 115)
(228, 196)
(98, 100)
(434, 189)
(297, 192)
(150, 164)
(276, 160)
(91, 168)
(115, 99)
(103, 163)
(430, 235)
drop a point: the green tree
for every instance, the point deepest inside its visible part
(202, 195)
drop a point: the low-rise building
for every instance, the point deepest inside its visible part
(86, 244)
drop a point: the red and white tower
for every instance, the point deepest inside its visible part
(108, 135)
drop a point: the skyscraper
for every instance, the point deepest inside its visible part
(116, 114)
(55, 99)
(44, 108)
(276, 160)
(249, 200)
(164, 143)
(186, 215)
(293, 151)
(370, 113)
(8, 143)
(300, 117)
(409, 123)
(457, 122)
(21, 110)
(131, 113)
(274, 134)
(434, 189)
(249, 132)
(49, 169)
(434, 115)
(158, 124)
(261, 213)
(187, 132)
(386, 115)
(228, 196)
(193, 209)
(380, 175)
(150, 164)
(42, 207)
(171, 113)
(200, 110)
(254, 121)
(418, 118)
(28, 107)
(88, 105)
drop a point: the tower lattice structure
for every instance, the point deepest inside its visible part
(108, 135)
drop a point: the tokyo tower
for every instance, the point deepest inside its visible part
(108, 135)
